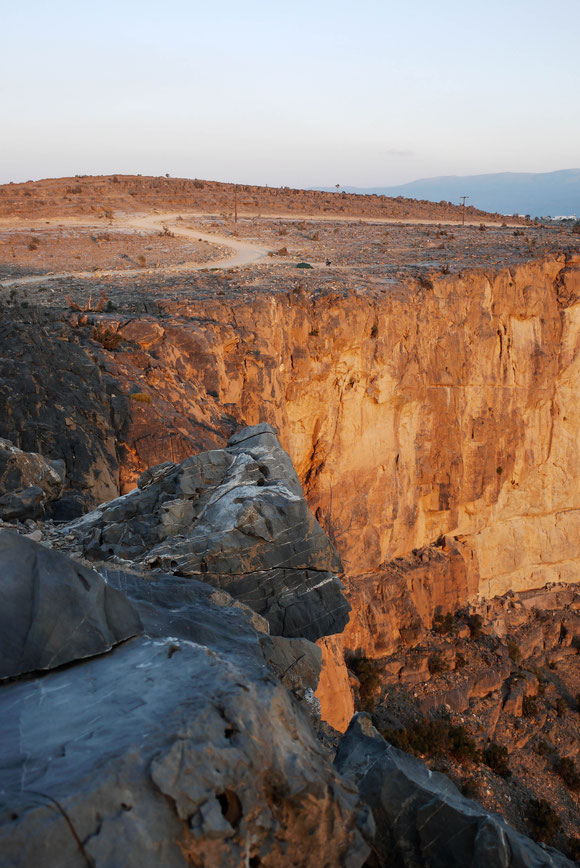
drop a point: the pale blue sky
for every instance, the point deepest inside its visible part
(304, 93)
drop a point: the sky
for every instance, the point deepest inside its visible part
(301, 94)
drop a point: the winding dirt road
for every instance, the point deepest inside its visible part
(244, 253)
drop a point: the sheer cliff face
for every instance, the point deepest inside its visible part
(419, 411)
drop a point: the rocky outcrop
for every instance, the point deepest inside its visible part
(175, 748)
(234, 518)
(421, 817)
(54, 610)
(28, 482)
(442, 410)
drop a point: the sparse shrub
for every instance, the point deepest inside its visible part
(497, 758)
(434, 737)
(141, 260)
(443, 624)
(367, 672)
(374, 331)
(544, 821)
(567, 770)
(514, 652)
(436, 664)
(499, 470)
(108, 338)
(470, 788)
(543, 747)
(475, 623)
(142, 397)
(530, 706)
(313, 333)
(482, 227)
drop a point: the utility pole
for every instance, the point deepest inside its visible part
(463, 198)
(236, 203)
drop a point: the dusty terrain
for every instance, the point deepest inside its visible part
(101, 195)
(423, 376)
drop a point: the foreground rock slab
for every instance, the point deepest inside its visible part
(235, 518)
(167, 751)
(54, 610)
(422, 819)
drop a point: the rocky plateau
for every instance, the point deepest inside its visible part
(240, 504)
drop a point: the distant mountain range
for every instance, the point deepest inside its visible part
(539, 194)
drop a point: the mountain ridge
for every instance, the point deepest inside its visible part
(539, 194)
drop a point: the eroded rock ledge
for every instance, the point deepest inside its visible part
(235, 518)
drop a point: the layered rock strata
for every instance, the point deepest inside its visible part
(234, 518)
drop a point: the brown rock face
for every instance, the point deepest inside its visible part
(447, 409)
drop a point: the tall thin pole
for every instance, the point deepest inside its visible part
(463, 198)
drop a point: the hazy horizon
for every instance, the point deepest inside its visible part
(303, 97)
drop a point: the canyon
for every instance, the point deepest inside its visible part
(424, 380)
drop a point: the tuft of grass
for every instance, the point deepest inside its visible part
(142, 397)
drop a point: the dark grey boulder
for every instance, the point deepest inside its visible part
(166, 752)
(422, 819)
(54, 610)
(235, 518)
(28, 482)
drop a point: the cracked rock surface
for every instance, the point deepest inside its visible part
(175, 748)
(235, 518)
(422, 819)
(54, 610)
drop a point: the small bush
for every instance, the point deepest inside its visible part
(567, 770)
(443, 625)
(475, 623)
(367, 672)
(108, 338)
(142, 397)
(436, 664)
(434, 737)
(530, 706)
(471, 789)
(544, 821)
(514, 652)
(497, 758)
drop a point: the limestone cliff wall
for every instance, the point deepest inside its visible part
(434, 426)
(410, 413)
